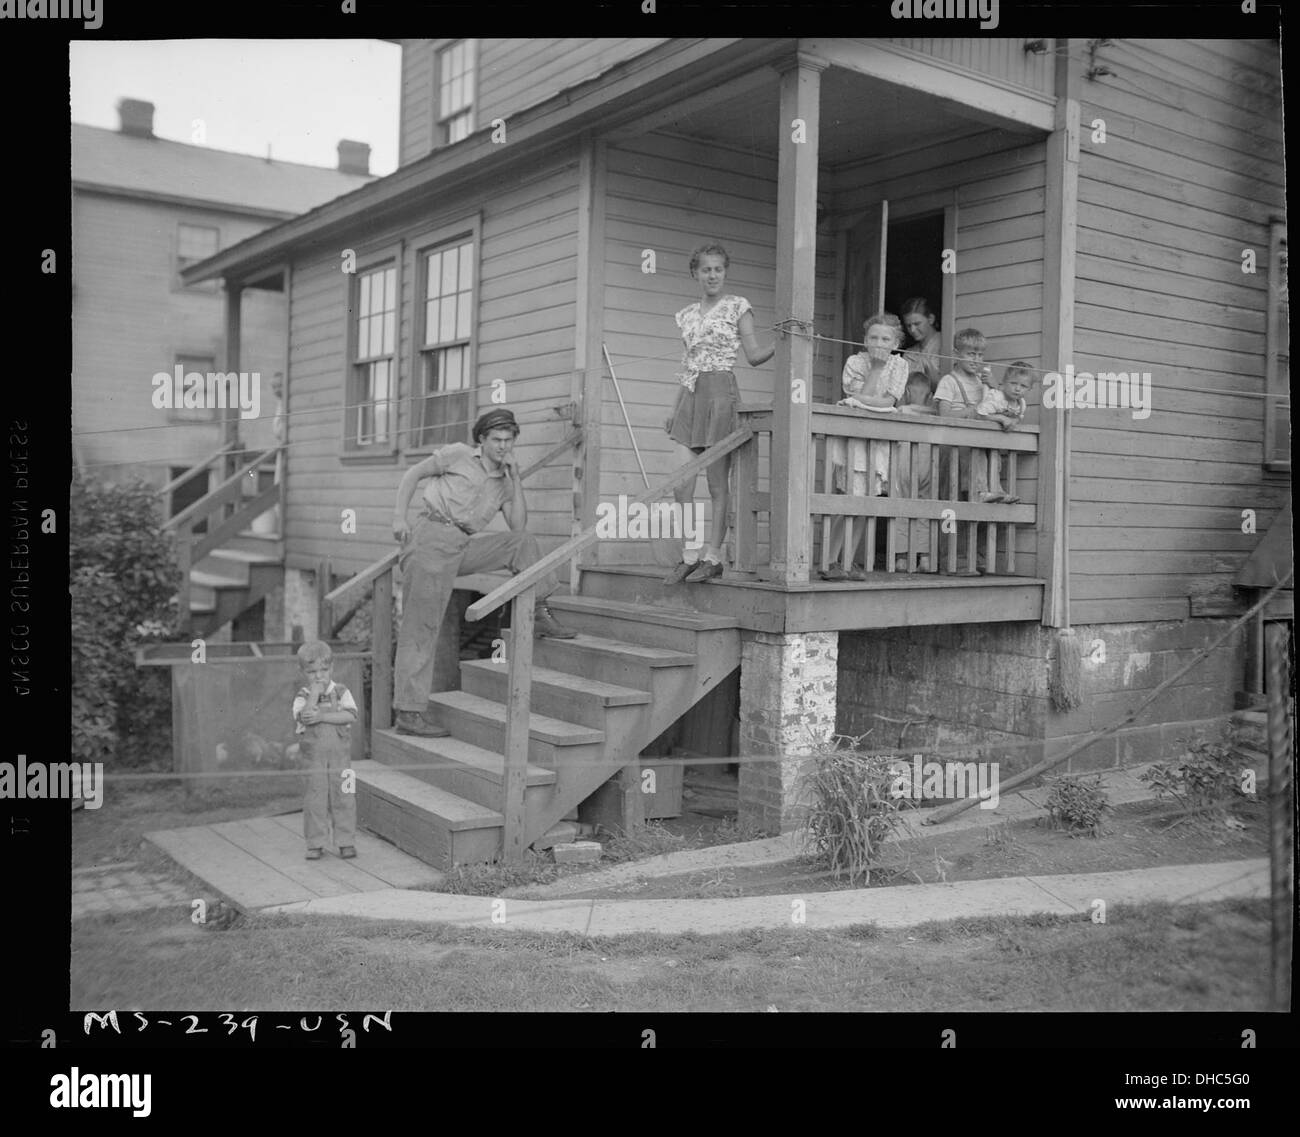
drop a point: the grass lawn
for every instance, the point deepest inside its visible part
(1146, 957)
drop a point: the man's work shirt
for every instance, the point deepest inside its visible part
(462, 490)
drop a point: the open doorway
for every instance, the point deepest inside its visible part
(913, 261)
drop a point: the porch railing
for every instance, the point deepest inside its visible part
(226, 509)
(340, 604)
(931, 471)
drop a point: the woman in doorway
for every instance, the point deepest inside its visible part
(714, 329)
(924, 353)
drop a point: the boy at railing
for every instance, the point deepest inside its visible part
(324, 712)
(1005, 405)
(959, 395)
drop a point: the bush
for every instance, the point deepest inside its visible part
(124, 577)
(1077, 806)
(850, 809)
(1206, 779)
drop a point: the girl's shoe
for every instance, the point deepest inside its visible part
(835, 574)
(313, 854)
(705, 571)
(347, 852)
(857, 573)
(680, 573)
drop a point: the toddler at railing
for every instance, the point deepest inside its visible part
(1005, 405)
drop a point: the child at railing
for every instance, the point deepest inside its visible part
(324, 712)
(1005, 405)
(874, 379)
(959, 395)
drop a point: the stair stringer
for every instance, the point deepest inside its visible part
(629, 730)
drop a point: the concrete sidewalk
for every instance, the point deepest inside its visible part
(893, 907)
(1122, 786)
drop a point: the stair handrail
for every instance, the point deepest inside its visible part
(215, 497)
(189, 473)
(530, 577)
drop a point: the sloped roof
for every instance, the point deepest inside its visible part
(1273, 557)
(157, 166)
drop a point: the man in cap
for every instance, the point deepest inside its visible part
(467, 486)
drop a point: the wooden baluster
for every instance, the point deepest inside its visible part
(991, 529)
(954, 481)
(517, 708)
(972, 527)
(746, 518)
(1009, 536)
(891, 536)
(913, 530)
(934, 496)
(184, 543)
(856, 452)
(381, 660)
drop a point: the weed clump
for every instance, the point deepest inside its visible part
(1206, 779)
(1077, 806)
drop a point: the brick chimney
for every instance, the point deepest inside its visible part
(354, 157)
(135, 117)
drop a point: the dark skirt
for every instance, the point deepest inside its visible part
(709, 413)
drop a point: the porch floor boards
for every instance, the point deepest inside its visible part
(259, 862)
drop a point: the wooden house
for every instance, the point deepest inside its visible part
(1086, 204)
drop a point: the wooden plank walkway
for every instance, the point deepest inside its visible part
(259, 862)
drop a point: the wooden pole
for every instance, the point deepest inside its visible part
(1280, 821)
(517, 711)
(381, 662)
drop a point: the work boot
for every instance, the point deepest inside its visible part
(679, 573)
(544, 624)
(412, 722)
(705, 571)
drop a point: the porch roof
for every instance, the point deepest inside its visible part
(652, 81)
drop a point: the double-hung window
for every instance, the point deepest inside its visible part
(371, 413)
(444, 324)
(456, 65)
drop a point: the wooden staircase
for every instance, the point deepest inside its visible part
(231, 579)
(597, 701)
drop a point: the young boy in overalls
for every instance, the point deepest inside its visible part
(324, 712)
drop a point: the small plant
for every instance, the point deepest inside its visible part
(850, 808)
(1205, 780)
(648, 840)
(1077, 806)
(492, 880)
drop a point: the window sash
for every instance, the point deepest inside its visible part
(456, 82)
(373, 394)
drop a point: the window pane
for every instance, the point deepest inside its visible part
(390, 321)
(363, 338)
(390, 290)
(466, 266)
(447, 326)
(363, 303)
(434, 275)
(462, 315)
(448, 284)
(431, 322)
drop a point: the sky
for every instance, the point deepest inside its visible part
(297, 96)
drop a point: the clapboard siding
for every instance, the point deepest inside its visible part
(512, 74)
(525, 321)
(1004, 59)
(1188, 176)
(131, 320)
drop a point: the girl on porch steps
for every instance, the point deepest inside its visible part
(714, 330)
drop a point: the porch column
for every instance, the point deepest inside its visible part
(588, 359)
(230, 416)
(787, 710)
(1060, 229)
(796, 252)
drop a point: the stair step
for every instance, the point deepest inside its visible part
(246, 556)
(543, 728)
(611, 661)
(618, 649)
(215, 580)
(654, 626)
(453, 754)
(440, 828)
(555, 693)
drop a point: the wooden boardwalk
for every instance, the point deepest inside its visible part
(259, 862)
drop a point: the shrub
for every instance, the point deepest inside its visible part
(1206, 779)
(849, 808)
(1077, 806)
(124, 577)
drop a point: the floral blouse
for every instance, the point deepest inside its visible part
(713, 339)
(891, 380)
